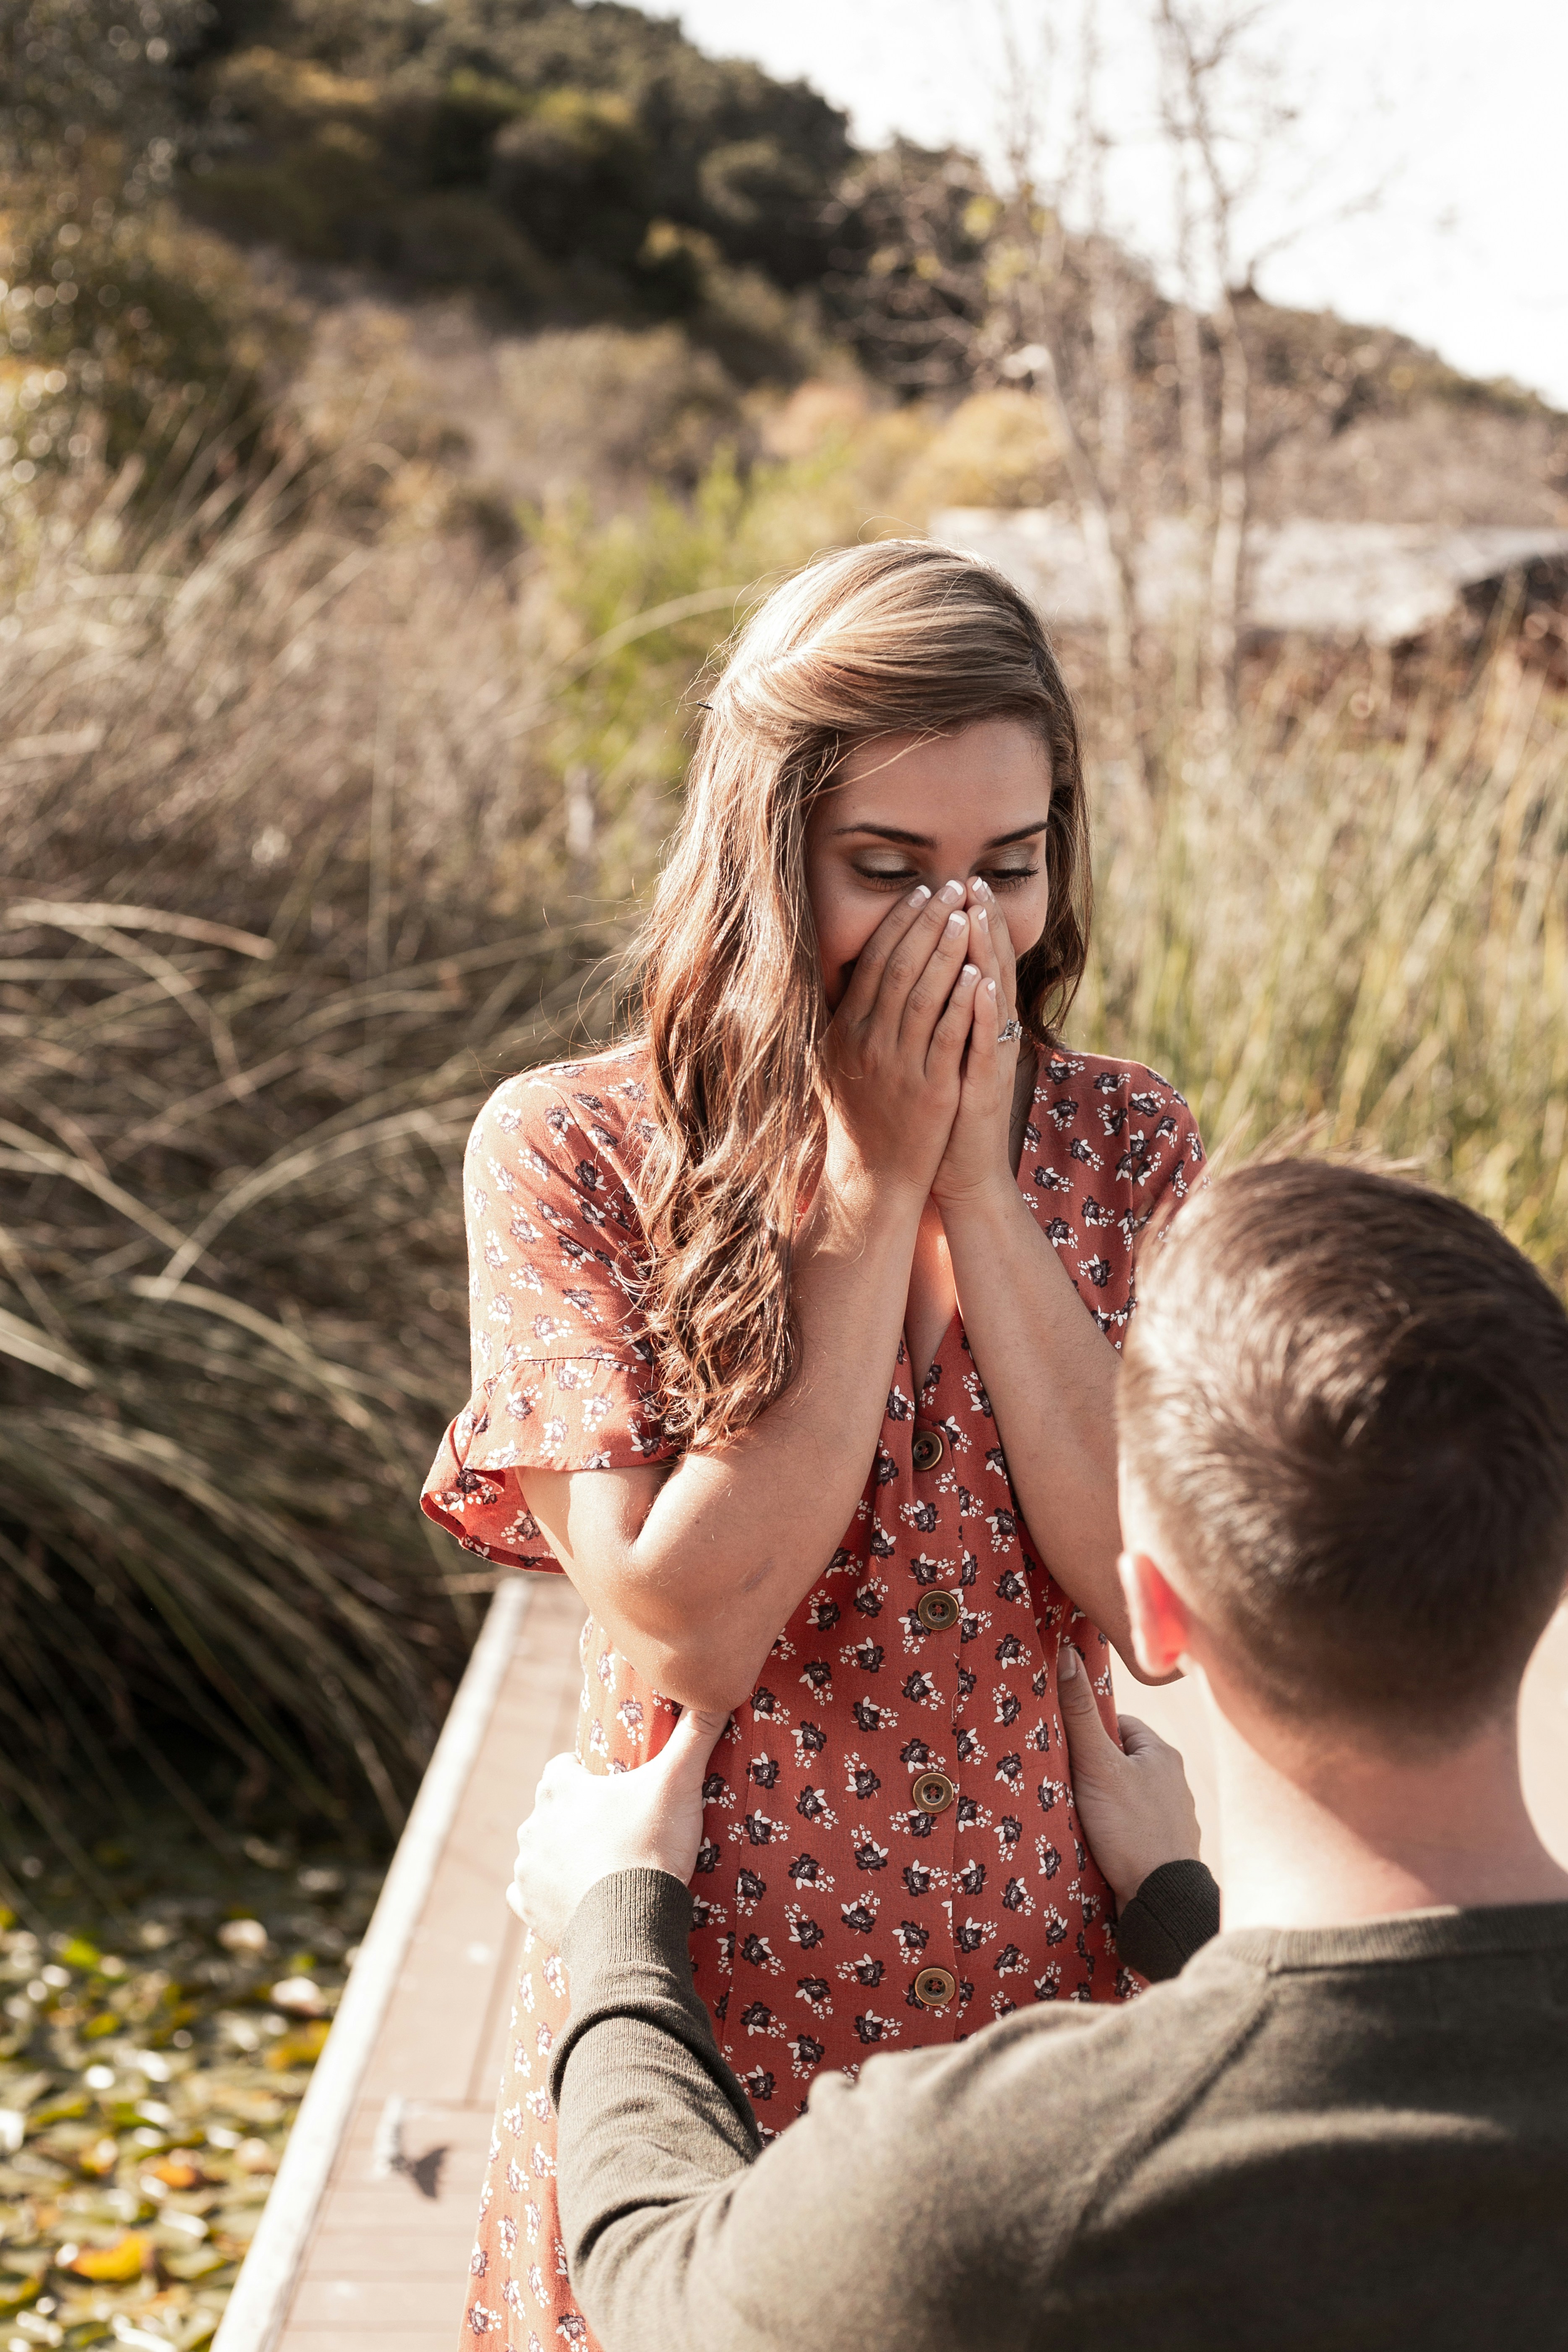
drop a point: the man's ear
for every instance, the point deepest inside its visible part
(1160, 1623)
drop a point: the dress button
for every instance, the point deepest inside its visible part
(934, 1988)
(937, 1610)
(932, 1791)
(928, 1449)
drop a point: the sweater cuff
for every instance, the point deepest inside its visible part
(627, 1949)
(1174, 1911)
(627, 1918)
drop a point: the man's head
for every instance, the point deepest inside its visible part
(1344, 1443)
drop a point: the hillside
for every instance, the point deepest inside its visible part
(558, 246)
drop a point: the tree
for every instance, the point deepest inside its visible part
(1216, 155)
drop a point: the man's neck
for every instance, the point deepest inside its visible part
(1318, 1833)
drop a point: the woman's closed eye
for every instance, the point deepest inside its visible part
(903, 877)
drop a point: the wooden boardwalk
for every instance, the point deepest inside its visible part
(375, 2231)
(365, 2241)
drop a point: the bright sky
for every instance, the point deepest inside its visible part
(1455, 109)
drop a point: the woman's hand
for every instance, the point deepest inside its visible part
(895, 1046)
(976, 1156)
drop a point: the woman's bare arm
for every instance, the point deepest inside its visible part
(1049, 1372)
(693, 1574)
(1050, 1377)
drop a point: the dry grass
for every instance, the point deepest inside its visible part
(270, 826)
(290, 885)
(1324, 923)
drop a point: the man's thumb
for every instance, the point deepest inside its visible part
(684, 1756)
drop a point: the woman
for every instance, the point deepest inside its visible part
(795, 1344)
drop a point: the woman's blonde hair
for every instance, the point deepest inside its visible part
(898, 637)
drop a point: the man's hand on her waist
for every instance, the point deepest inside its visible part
(584, 1825)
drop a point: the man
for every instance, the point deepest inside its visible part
(1344, 1498)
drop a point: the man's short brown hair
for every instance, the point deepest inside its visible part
(1345, 1401)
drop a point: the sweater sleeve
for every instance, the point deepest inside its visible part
(684, 2234)
(1174, 1911)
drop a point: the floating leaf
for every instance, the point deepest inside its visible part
(178, 2171)
(192, 2263)
(302, 1994)
(298, 2048)
(117, 2264)
(243, 1936)
(55, 2111)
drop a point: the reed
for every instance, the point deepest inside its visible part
(262, 951)
(1359, 931)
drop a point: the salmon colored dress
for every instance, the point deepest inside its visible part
(890, 1856)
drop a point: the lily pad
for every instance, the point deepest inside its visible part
(141, 2151)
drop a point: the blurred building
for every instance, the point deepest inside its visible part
(1379, 581)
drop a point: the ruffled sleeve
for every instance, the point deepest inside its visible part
(561, 1368)
(1111, 1148)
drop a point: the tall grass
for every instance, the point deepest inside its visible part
(1362, 931)
(289, 884)
(272, 827)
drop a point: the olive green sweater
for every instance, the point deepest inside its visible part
(1307, 2142)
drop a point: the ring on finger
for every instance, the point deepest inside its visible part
(1008, 1031)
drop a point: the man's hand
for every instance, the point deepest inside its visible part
(1134, 1800)
(584, 1825)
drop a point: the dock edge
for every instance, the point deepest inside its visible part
(259, 2303)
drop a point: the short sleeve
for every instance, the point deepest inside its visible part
(561, 1369)
(1111, 1151)
(1163, 1157)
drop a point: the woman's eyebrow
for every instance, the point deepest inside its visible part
(924, 840)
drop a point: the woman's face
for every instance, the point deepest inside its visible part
(905, 809)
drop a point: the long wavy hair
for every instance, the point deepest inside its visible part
(897, 637)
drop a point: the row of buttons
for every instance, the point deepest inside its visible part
(933, 1791)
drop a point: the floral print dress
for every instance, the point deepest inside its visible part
(890, 1856)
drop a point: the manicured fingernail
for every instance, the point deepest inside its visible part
(953, 892)
(991, 988)
(980, 915)
(980, 886)
(1066, 1663)
(918, 898)
(956, 923)
(970, 972)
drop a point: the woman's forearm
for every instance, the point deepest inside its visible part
(1050, 1377)
(695, 1586)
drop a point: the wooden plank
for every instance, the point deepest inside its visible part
(255, 2310)
(366, 2234)
(354, 2307)
(457, 1974)
(387, 2261)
